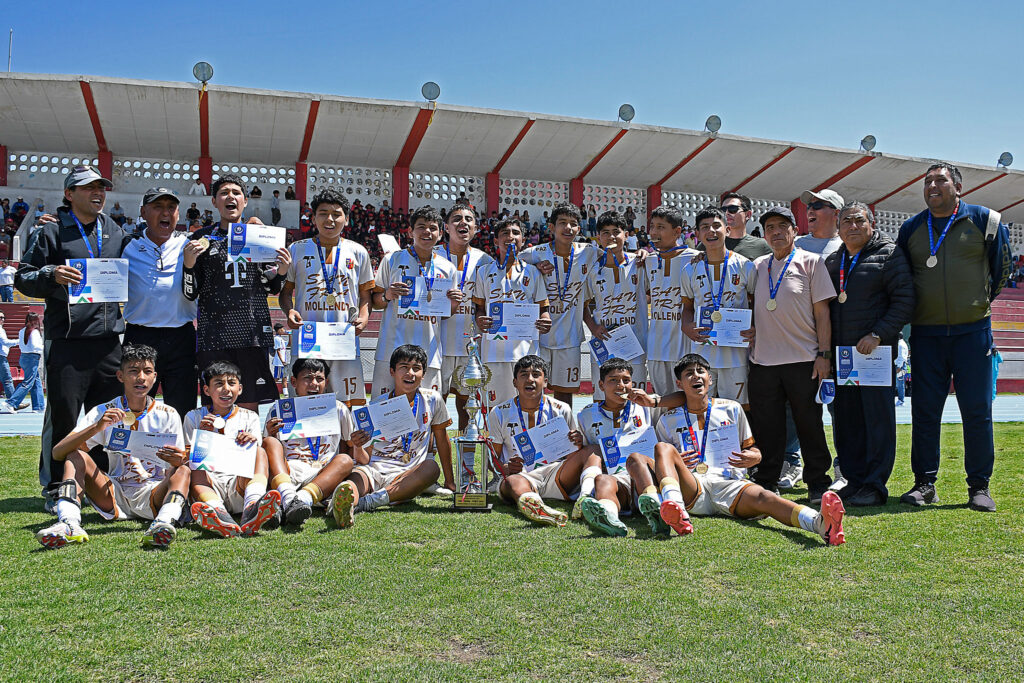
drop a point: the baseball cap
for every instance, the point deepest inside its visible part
(830, 196)
(83, 175)
(155, 193)
(777, 211)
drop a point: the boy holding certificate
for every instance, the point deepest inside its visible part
(617, 291)
(147, 475)
(331, 280)
(398, 469)
(721, 279)
(509, 280)
(529, 479)
(406, 291)
(218, 495)
(304, 470)
(705, 471)
(619, 472)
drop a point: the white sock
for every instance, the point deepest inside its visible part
(587, 480)
(305, 496)
(613, 512)
(810, 519)
(253, 492)
(652, 491)
(69, 513)
(670, 490)
(171, 511)
(287, 491)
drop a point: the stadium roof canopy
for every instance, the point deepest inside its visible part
(134, 118)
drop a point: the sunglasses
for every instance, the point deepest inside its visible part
(819, 205)
(734, 208)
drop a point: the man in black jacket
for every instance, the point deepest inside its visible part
(83, 346)
(876, 299)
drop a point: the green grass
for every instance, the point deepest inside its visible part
(418, 593)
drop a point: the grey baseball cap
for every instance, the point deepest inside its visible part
(83, 175)
(830, 196)
(777, 211)
(155, 193)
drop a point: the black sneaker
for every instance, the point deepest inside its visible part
(814, 495)
(921, 494)
(980, 499)
(865, 498)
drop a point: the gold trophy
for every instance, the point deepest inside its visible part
(471, 445)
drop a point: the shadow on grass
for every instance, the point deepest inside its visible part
(27, 504)
(798, 536)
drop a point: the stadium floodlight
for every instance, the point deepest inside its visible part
(203, 72)
(1005, 159)
(713, 124)
(867, 143)
(431, 91)
(627, 112)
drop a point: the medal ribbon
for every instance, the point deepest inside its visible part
(693, 434)
(314, 447)
(510, 252)
(465, 268)
(99, 235)
(624, 415)
(842, 268)
(428, 280)
(562, 291)
(772, 291)
(717, 301)
(933, 246)
(607, 252)
(138, 416)
(540, 413)
(407, 439)
(231, 414)
(667, 251)
(328, 281)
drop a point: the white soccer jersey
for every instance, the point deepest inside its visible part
(665, 338)
(566, 310)
(456, 330)
(620, 294)
(672, 428)
(406, 327)
(523, 284)
(403, 453)
(324, 447)
(504, 422)
(355, 274)
(739, 283)
(597, 422)
(127, 471)
(238, 420)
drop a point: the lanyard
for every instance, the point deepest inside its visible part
(772, 291)
(314, 447)
(407, 439)
(328, 281)
(667, 251)
(842, 268)
(510, 252)
(607, 252)
(693, 434)
(428, 280)
(562, 291)
(138, 416)
(624, 415)
(540, 413)
(465, 268)
(717, 301)
(933, 246)
(231, 414)
(99, 235)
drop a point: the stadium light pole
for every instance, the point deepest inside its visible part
(867, 143)
(713, 124)
(1005, 160)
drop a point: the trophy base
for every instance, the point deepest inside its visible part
(470, 502)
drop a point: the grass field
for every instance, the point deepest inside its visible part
(418, 593)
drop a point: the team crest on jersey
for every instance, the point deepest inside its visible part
(583, 269)
(492, 396)
(635, 279)
(636, 420)
(735, 279)
(349, 263)
(526, 281)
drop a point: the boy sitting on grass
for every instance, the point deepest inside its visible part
(219, 495)
(131, 488)
(303, 470)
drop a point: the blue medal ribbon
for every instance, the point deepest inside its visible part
(716, 302)
(540, 413)
(99, 235)
(933, 246)
(465, 268)
(314, 447)
(428, 280)
(626, 410)
(407, 439)
(853, 263)
(615, 259)
(562, 291)
(772, 291)
(328, 281)
(510, 252)
(693, 434)
(667, 251)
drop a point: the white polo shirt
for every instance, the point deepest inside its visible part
(155, 298)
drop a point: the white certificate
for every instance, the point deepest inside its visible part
(141, 445)
(437, 304)
(326, 341)
(213, 452)
(309, 416)
(853, 368)
(388, 419)
(512, 323)
(387, 243)
(255, 243)
(722, 441)
(617, 447)
(725, 332)
(622, 343)
(544, 444)
(103, 280)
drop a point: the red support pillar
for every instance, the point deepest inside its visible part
(3, 165)
(106, 159)
(491, 182)
(206, 172)
(300, 183)
(653, 200)
(400, 188)
(576, 191)
(800, 212)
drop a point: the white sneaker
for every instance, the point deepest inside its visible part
(838, 480)
(6, 408)
(790, 476)
(436, 489)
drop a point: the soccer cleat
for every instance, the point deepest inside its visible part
(675, 515)
(832, 512)
(159, 535)
(577, 508)
(650, 509)
(215, 520)
(921, 494)
(599, 518)
(259, 514)
(343, 502)
(473, 487)
(533, 508)
(790, 475)
(297, 512)
(60, 534)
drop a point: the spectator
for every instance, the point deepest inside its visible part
(256, 192)
(5, 368)
(7, 272)
(5, 209)
(117, 213)
(275, 209)
(738, 212)
(207, 218)
(289, 193)
(876, 299)
(198, 188)
(823, 220)
(960, 257)
(192, 214)
(40, 210)
(30, 343)
(19, 210)
(902, 363)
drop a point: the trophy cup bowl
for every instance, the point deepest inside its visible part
(472, 379)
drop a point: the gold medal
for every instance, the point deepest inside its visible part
(771, 305)
(430, 295)
(932, 261)
(332, 300)
(129, 418)
(842, 297)
(218, 422)
(716, 317)
(702, 468)
(204, 243)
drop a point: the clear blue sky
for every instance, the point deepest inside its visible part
(927, 79)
